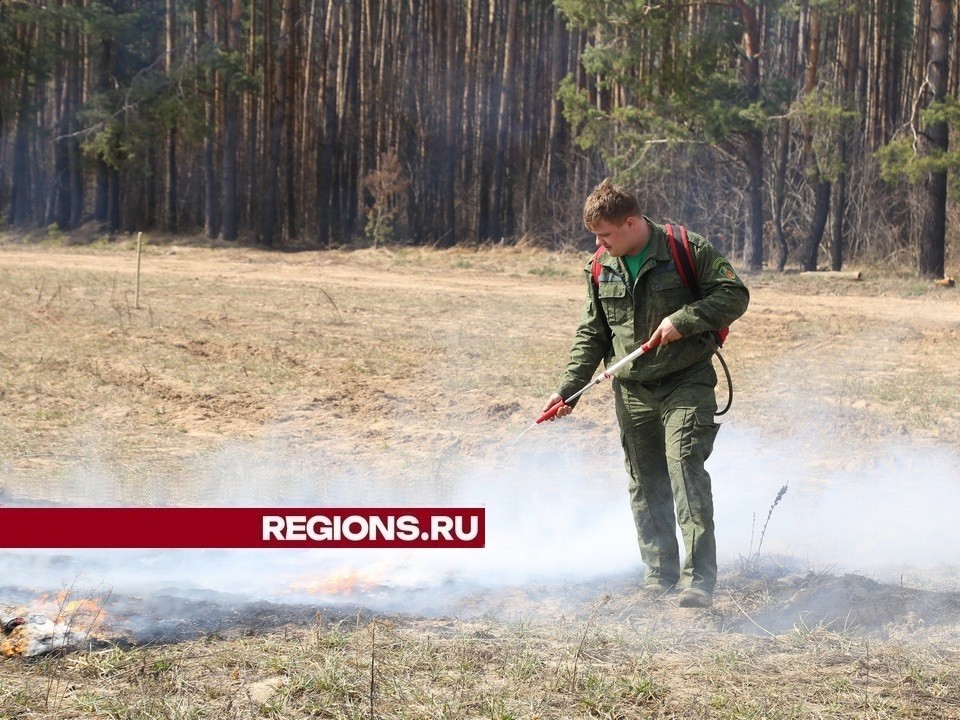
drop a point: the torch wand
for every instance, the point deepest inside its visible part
(605, 375)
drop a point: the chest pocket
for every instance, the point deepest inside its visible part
(615, 300)
(665, 281)
(667, 295)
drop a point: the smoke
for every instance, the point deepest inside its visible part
(556, 512)
(860, 507)
(551, 516)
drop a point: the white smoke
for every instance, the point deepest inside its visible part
(553, 514)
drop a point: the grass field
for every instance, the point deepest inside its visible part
(403, 375)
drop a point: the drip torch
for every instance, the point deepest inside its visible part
(605, 375)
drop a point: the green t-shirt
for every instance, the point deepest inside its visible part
(635, 262)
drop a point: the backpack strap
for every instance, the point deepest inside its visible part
(682, 255)
(597, 268)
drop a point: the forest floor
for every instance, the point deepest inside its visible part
(401, 376)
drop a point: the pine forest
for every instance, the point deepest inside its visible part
(802, 132)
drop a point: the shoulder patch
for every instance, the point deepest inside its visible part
(723, 267)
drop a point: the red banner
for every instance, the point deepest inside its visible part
(241, 527)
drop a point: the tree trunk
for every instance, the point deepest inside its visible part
(839, 211)
(556, 171)
(753, 140)
(211, 227)
(409, 122)
(848, 53)
(933, 226)
(780, 181)
(279, 120)
(290, 151)
(61, 173)
(325, 166)
(170, 217)
(818, 223)
(21, 201)
(504, 121)
(231, 131)
(483, 123)
(365, 154)
(821, 186)
(448, 237)
(113, 200)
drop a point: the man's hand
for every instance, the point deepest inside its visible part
(665, 333)
(562, 412)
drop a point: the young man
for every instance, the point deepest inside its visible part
(665, 400)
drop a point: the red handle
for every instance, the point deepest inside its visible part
(651, 345)
(547, 414)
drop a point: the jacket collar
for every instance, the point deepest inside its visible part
(658, 242)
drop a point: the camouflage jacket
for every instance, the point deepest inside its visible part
(617, 318)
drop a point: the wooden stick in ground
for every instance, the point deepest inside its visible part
(833, 274)
(136, 296)
(373, 660)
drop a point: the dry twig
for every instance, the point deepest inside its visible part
(586, 629)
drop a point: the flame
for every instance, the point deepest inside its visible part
(342, 582)
(15, 645)
(60, 613)
(86, 614)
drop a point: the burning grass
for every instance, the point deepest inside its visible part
(52, 623)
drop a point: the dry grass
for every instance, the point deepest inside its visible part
(495, 670)
(408, 360)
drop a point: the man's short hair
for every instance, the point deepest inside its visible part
(613, 203)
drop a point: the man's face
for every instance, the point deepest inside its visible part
(620, 240)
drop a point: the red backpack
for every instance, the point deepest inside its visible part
(683, 258)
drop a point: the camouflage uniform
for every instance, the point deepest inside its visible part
(665, 402)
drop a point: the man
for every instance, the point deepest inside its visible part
(665, 400)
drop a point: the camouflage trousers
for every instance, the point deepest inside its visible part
(667, 429)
